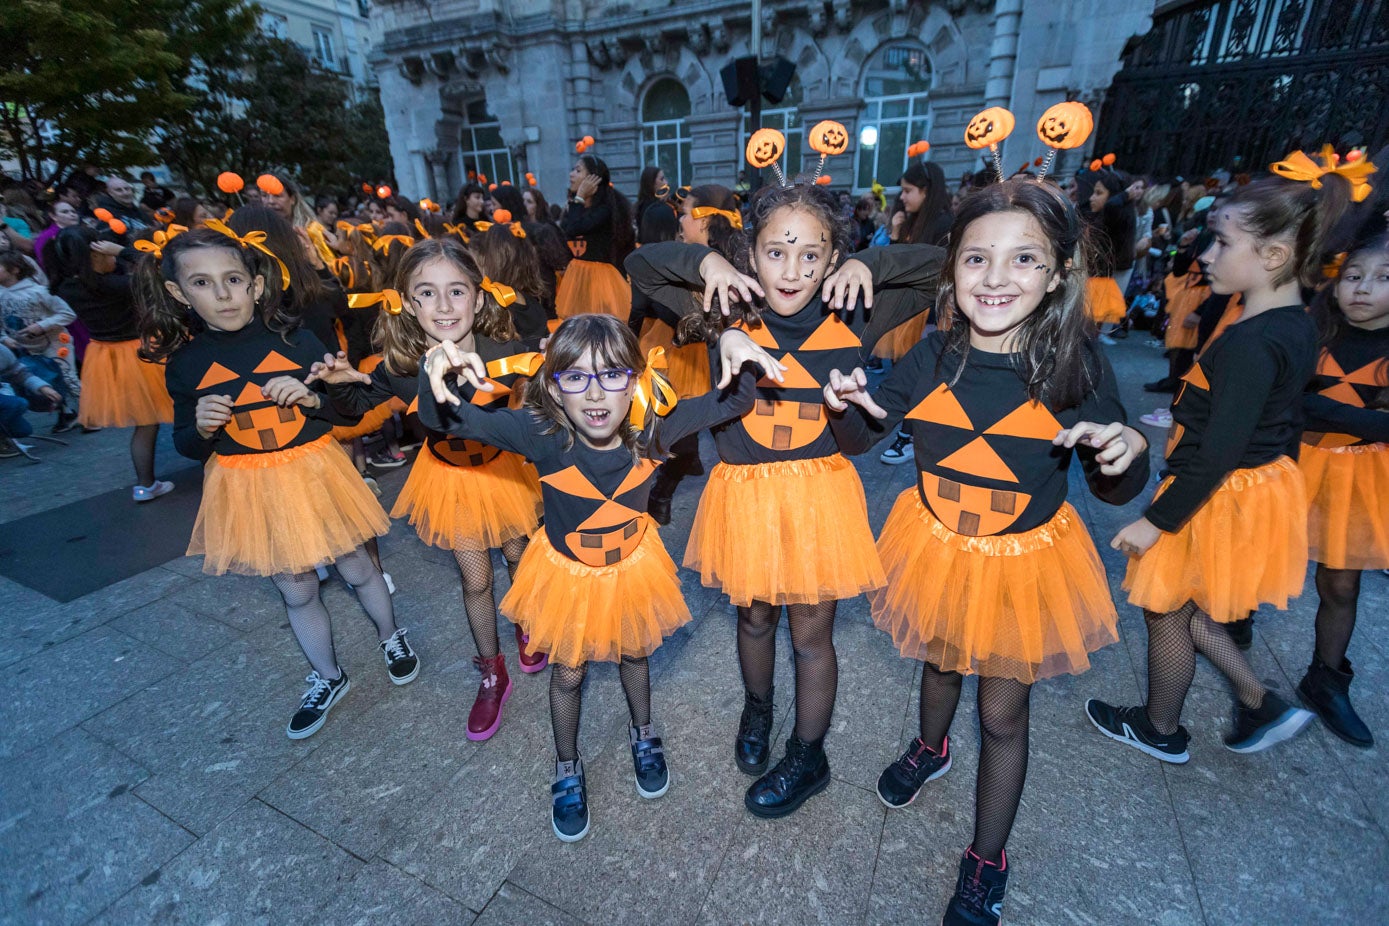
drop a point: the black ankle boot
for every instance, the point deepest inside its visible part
(753, 747)
(662, 491)
(1326, 692)
(801, 774)
(1242, 632)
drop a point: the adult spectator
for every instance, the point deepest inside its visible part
(155, 196)
(120, 200)
(31, 393)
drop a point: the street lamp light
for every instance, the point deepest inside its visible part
(868, 136)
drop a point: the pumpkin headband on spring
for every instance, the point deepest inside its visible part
(255, 239)
(1356, 170)
(502, 217)
(703, 212)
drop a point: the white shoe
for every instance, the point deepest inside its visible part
(1107, 341)
(1158, 418)
(900, 452)
(390, 586)
(150, 492)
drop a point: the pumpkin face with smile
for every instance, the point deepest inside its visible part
(1065, 125)
(257, 423)
(989, 127)
(765, 146)
(829, 138)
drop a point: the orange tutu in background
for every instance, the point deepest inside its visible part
(283, 511)
(373, 420)
(1348, 505)
(689, 365)
(593, 286)
(1246, 546)
(1183, 298)
(1104, 300)
(119, 390)
(470, 507)
(895, 344)
(790, 532)
(1025, 606)
(579, 613)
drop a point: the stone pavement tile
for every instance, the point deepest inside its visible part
(382, 895)
(511, 906)
(256, 867)
(174, 629)
(73, 681)
(875, 687)
(243, 603)
(815, 866)
(191, 566)
(74, 835)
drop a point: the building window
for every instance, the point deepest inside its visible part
(482, 148)
(665, 133)
(896, 112)
(786, 118)
(323, 48)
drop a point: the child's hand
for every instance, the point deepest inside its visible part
(1117, 445)
(286, 391)
(842, 288)
(336, 371)
(448, 358)
(736, 349)
(842, 391)
(723, 278)
(212, 413)
(1136, 539)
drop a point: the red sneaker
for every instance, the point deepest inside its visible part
(486, 715)
(535, 661)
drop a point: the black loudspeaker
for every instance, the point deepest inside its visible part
(776, 78)
(740, 80)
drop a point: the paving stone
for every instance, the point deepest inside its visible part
(171, 628)
(511, 906)
(243, 603)
(382, 895)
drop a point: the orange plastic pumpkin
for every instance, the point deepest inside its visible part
(270, 184)
(764, 147)
(229, 182)
(824, 180)
(829, 138)
(383, 192)
(1066, 125)
(501, 216)
(989, 127)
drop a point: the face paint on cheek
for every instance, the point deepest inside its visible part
(810, 275)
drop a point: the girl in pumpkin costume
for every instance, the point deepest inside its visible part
(598, 226)
(595, 583)
(461, 495)
(990, 571)
(279, 495)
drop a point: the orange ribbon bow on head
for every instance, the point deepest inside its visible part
(654, 394)
(702, 212)
(504, 294)
(255, 239)
(1298, 166)
(160, 240)
(388, 299)
(385, 241)
(424, 232)
(527, 364)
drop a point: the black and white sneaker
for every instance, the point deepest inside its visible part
(401, 661)
(313, 710)
(648, 761)
(1131, 725)
(901, 781)
(900, 452)
(569, 801)
(1269, 724)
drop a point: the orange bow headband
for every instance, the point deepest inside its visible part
(503, 217)
(654, 393)
(388, 299)
(1298, 166)
(703, 212)
(385, 241)
(458, 230)
(520, 364)
(504, 294)
(160, 241)
(255, 239)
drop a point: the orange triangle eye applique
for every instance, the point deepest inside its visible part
(572, 481)
(1371, 374)
(1327, 365)
(1197, 378)
(760, 336)
(832, 334)
(1344, 393)
(216, 375)
(1031, 420)
(414, 407)
(977, 458)
(795, 377)
(941, 407)
(481, 397)
(275, 362)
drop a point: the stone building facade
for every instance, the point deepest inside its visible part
(508, 86)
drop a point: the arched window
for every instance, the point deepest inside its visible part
(665, 135)
(481, 145)
(786, 118)
(896, 111)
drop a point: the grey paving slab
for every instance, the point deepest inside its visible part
(511, 906)
(382, 895)
(179, 631)
(256, 867)
(243, 603)
(84, 839)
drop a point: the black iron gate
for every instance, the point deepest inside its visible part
(1240, 83)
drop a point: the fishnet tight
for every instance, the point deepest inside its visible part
(1174, 639)
(817, 664)
(479, 602)
(566, 700)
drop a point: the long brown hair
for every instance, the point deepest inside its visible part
(402, 339)
(305, 285)
(504, 257)
(1275, 207)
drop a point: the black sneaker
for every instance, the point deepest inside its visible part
(67, 421)
(978, 899)
(900, 452)
(384, 459)
(1269, 724)
(401, 661)
(313, 710)
(1131, 725)
(648, 761)
(1242, 632)
(901, 781)
(7, 448)
(569, 801)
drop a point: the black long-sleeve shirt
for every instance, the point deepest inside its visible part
(238, 364)
(104, 302)
(589, 231)
(1240, 406)
(594, 499)
(984, 454)
(1352, 375)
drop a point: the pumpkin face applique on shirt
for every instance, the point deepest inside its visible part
(613, 531)
(257, 423)
(800, 418)
(1352, 388)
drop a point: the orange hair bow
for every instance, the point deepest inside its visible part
(160, 240)
(385, 241)
(703, 212)
(255, 239)
(527, 364)
(1298, 166)
(654, 393)
(504, 294)
(456, 230)
(424, 232)
(388, 299)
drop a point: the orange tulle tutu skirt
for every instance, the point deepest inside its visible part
(1104, 300)
(895, 344)
(1246, 546)
(689, 365)
(119, 390)
(1182, 299)
(593, 286)
(283, 511)
(373, 420)
(470, 507)
(790, 532)
(1348, 505)
(1025, 606)
(580, 613)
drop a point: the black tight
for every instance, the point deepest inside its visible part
(1339, 590)
(142, 452)
(479, 602)
(1174, 639)
(1004, 713)
(309, 619)
(817, 664)
(566, 700)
